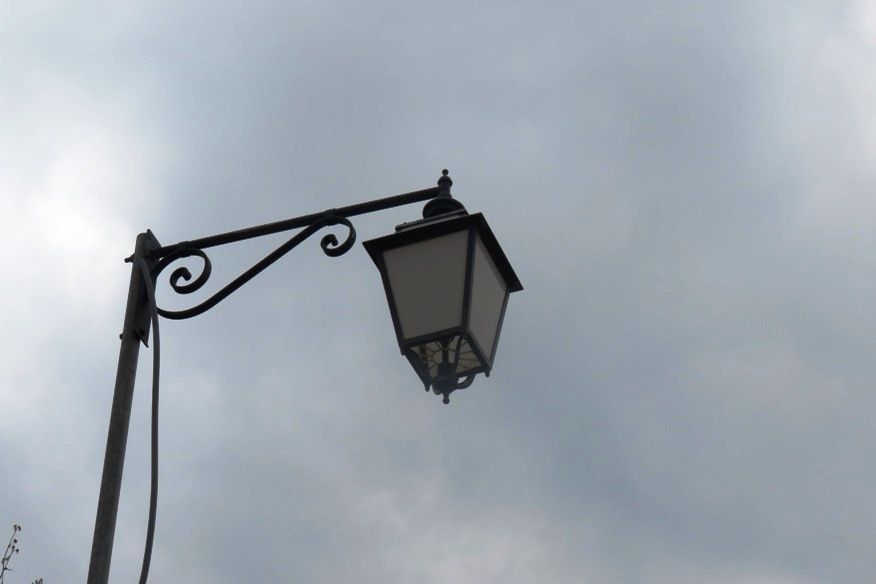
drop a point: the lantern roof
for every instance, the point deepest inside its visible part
(422, 229)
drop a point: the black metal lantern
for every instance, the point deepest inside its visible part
(447, 282)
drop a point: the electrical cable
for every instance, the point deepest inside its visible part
(156, 369)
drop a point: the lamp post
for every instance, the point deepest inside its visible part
(447, 283)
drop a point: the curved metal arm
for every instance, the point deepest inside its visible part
(329, 245)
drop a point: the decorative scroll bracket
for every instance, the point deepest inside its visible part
(182, 281)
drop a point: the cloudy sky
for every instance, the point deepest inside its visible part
(684, 391)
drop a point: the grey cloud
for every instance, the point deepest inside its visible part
(681, 392)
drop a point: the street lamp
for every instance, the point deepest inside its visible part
(446, 279)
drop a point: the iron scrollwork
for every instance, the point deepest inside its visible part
(182, 281)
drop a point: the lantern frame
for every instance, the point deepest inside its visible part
(476, 227)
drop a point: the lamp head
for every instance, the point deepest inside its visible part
(447, 283)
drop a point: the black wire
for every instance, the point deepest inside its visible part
(156, 369)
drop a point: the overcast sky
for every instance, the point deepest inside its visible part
(684, 391)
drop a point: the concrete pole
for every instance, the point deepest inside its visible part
(135, 330)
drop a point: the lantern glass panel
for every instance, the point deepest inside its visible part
(427, 280)
(487, 300)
